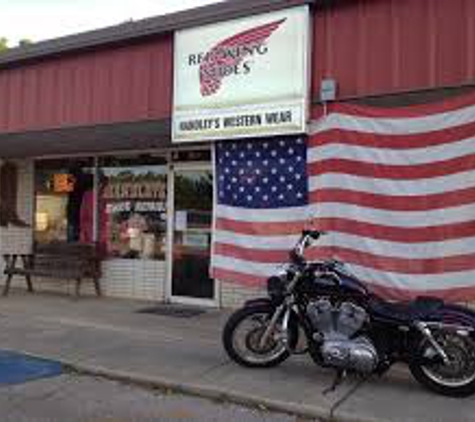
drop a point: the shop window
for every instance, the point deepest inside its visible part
(60, 189)
(8, 195)
(133, 207)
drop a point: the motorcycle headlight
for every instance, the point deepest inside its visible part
(276, 287)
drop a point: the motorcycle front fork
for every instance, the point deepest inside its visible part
(285, 310)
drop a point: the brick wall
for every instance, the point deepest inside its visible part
(234, 295)
(134, 278)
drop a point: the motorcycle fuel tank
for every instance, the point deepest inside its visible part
(351, 284)
(339, 282)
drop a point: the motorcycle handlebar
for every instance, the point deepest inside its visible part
(296, 254)
(314, 234)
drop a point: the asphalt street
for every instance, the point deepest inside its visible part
(72, 397)
(112, 338)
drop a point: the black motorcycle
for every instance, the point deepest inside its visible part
(352, 330)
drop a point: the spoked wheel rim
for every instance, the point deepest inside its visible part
(461, 368)
(247, 339)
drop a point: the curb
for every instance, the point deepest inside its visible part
(203, 391)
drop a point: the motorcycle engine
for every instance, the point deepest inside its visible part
(338, 325)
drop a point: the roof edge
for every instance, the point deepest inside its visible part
(133, 30)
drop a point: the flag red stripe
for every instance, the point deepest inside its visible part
(399, 234)
(251, 254)
(394, 172)
(420, 110)
(414, 266)
(280, 228)
(369, 260)
(354, 227)
(387, 141)
(455, 294)
(392, 202)
(238, 277)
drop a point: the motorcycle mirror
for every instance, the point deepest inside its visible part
(311, 224)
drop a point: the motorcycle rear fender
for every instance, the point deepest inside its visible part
(457, 315)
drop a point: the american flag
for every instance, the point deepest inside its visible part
(262, 201)
(395, 189)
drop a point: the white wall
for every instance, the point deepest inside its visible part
(16, 239)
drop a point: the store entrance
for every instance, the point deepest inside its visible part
(192, 226)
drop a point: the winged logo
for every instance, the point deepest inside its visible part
(231, 52)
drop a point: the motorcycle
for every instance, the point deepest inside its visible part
(350, 329)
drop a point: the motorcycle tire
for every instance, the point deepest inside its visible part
(239, 317)
(437, 377)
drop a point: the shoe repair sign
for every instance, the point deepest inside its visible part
(242, 78)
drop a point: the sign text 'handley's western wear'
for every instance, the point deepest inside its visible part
(243, 78)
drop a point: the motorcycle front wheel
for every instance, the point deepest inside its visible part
(243, 332)
(455, 378)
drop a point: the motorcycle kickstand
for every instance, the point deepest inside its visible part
(340, 375)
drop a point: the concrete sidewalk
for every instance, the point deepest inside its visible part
(109, 337)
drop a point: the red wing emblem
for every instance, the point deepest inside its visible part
(231, 52)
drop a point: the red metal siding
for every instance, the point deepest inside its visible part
(368, 46)
(129, 83)
(383, 46)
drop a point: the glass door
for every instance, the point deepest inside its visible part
(192, 226)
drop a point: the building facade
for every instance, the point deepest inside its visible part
(112, 130)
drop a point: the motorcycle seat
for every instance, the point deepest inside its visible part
(405, 312)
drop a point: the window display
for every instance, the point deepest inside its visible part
(133, 207)
(59, 187)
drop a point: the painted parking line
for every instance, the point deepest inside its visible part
(18, 368)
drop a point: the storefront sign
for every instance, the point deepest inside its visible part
(135, 206)
(120, 189)
(63, 182)
(243, 78)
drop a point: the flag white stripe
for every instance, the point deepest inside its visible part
(420, 187)
(402, 219)
(424, 250)
(243, 266)
(262, 215)
(388, 278)
(421, 282)
(395, 126)
(257, 242)
(392, 157)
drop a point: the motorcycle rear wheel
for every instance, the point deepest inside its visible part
(457, 379)
(248, 351)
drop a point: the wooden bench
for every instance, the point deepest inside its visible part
(60, 260)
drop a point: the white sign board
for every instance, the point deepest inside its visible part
(243, 78)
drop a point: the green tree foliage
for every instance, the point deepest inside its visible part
(3, 44)
(24, 42)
